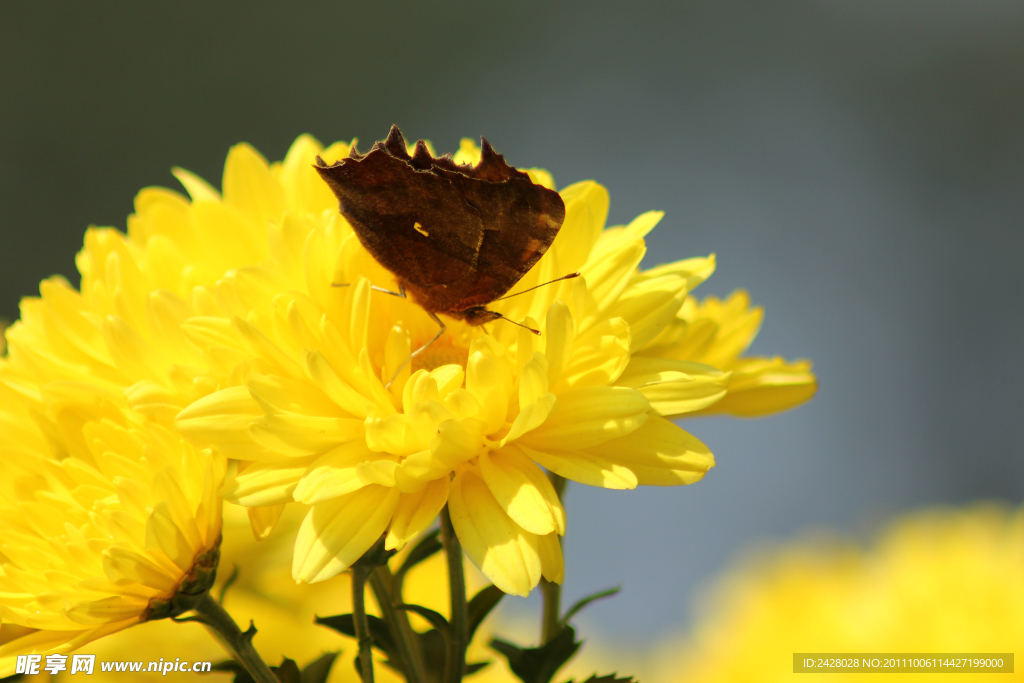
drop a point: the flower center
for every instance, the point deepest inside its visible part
(442, 352)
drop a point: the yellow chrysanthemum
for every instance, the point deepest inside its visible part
(219, 315)
(939, 581)
(105, 521)
(283, 612)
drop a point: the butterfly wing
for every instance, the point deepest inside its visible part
(520, 221)
(456, 236)
(416, 224)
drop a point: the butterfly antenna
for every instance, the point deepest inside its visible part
(525, 327)
(557, 279)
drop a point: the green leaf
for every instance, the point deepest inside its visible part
(230, 665)
(434, 647)
(435, 618)
(583, 602)
(287, 672)
(481, 605)
(607, 678)
(379, 631)
(539, 664)
(318, 670)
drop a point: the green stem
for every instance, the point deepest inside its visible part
(551, 617)
(381, 581)
(457, 588)
(213, 614)
(359, 574)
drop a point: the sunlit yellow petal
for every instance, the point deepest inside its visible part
(415, 512)
(336, 533)
(762, 386)
(675, 387)
(589, 416)
(506, 553)
(523, 491)
(659, 453)
(585, 468)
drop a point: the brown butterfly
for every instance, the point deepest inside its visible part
(456, 237)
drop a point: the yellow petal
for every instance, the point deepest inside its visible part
(675, 387)
(106, 610)
(612, 238)
(599, 355)
(334, 474)
(553, 567)
(457, 440)
(762, 386)
(260, 346)
(693, 270)
(121, 564)
(197, 188)
(559, 335)
(533, 379)
(401, 434)
(448, 378)
(154, 400)
(659, 453)
(304, 190)
(162, 534)
(418, 470)
(531, 417)
(266, 484)
(397, 359)
(330, 382)
(263, 519)
(649, 306)
(415, 512)
(523, 491)
(221, 417)
(336, 533)
(298, 435)
(250, 188)
(489, 380)
(283, 395)
(224, 238)
(500, 548)
(589, 416)
(585, 468)
(608, 276)
(584, 220)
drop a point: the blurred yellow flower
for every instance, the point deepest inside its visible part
(105, 521)
(938, 581)
(217, 316)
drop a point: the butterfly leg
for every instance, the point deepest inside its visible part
(400, 293)
(440, 331)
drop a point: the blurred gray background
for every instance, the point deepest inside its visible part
(858, 166)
